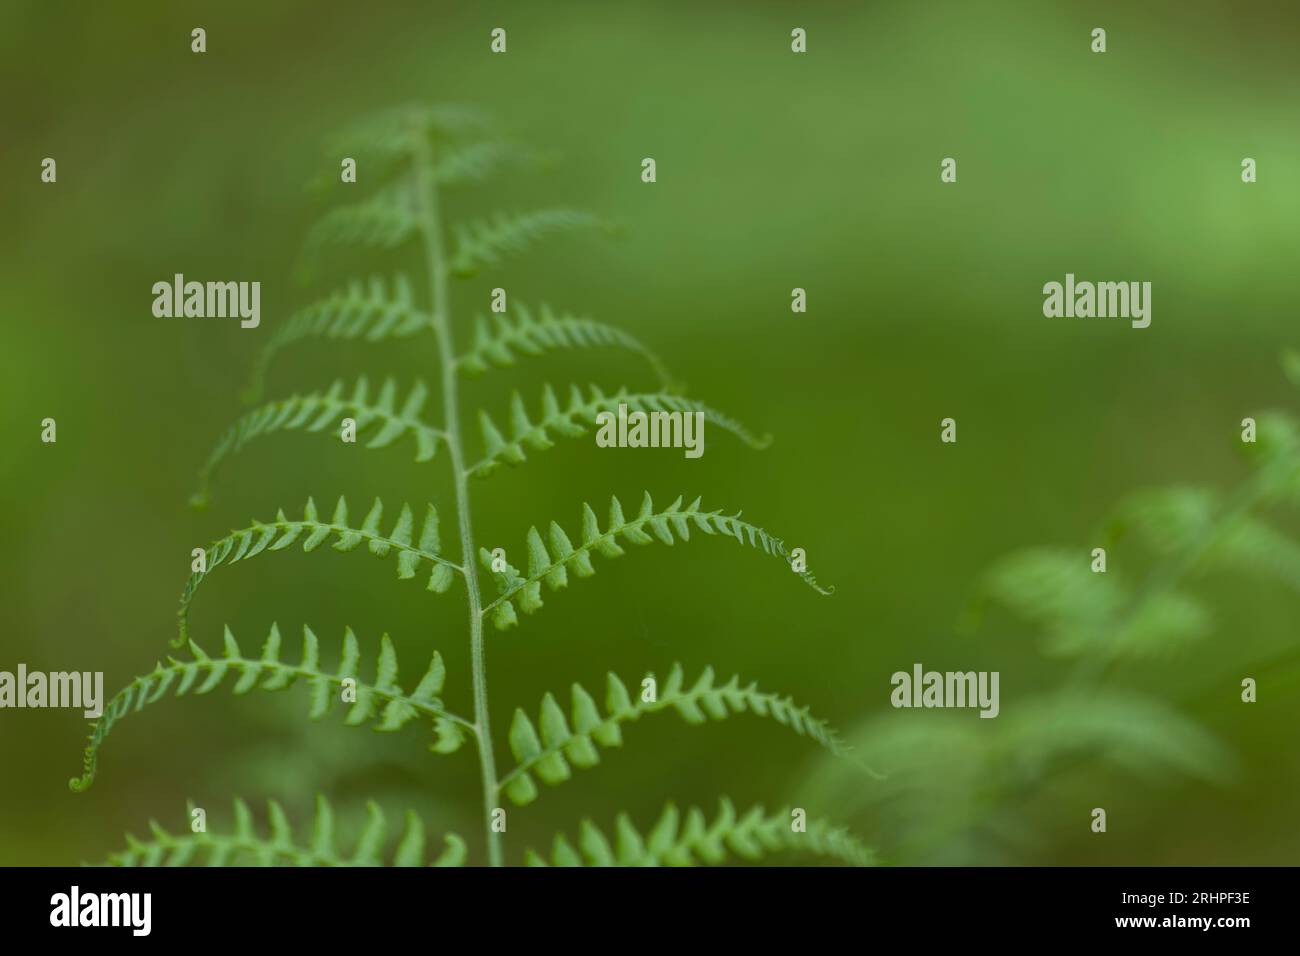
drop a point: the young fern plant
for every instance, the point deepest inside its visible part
(1192, 530)
(956, 793)
(425, 151)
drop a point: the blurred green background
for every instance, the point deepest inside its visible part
(774, 171)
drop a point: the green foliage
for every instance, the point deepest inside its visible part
(381, 701)
(550, 754)
(574, 420)
(1136, 733)
(366, 311)
(500, 341)
(1084, 613)
(389, 136)
(244, 846)
(957, 790)
(479, 161)
(318, 411)
(1213, 534)
(667, 526)
(1276, 457)
(413, 151)
(279, 534)
(486, 242)
(384, 220)
(1190, 530)
(674, 841)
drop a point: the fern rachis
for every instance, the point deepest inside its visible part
(439, 272)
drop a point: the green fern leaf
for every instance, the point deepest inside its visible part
(678, 841)
(561, 745)
(579, 415)
(486, 242)
(1169, 520)
(467, 144)
(381, 702)
(246, 847)
(1251, 545)
(1194, 525)
(318, 411)
(1142, 736)
(391, 134)
(476, 162)
(1086, 613)
(500, 341)
(957, 791)
(1155, 626)
(670, 524)
(361, 311)
(1054, 586)
(1275, 453)
(384, 220)
(284, 531)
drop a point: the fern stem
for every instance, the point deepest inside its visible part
(431, 229)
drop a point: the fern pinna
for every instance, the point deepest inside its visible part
(423, 151)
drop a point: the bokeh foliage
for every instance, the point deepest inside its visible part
(774, 171)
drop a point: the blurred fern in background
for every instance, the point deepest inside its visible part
(963, 791)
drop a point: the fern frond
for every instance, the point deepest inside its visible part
(678, 841)
(382, 220)
(381, 701)
(1276, 457)
(551, 753)
(1194, 524)
(1086, 613)
(468, 143)
(361, 311)
(1253, 546)
(389, 134)
(500, 341)
(512, 586)
(317, 411)
(486, 242)
(283, 531)
(1145, 737)
(245, 846)
(477, 161)
(1054, 586)
(958, 791)
(580, 413)
(1169, 520)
